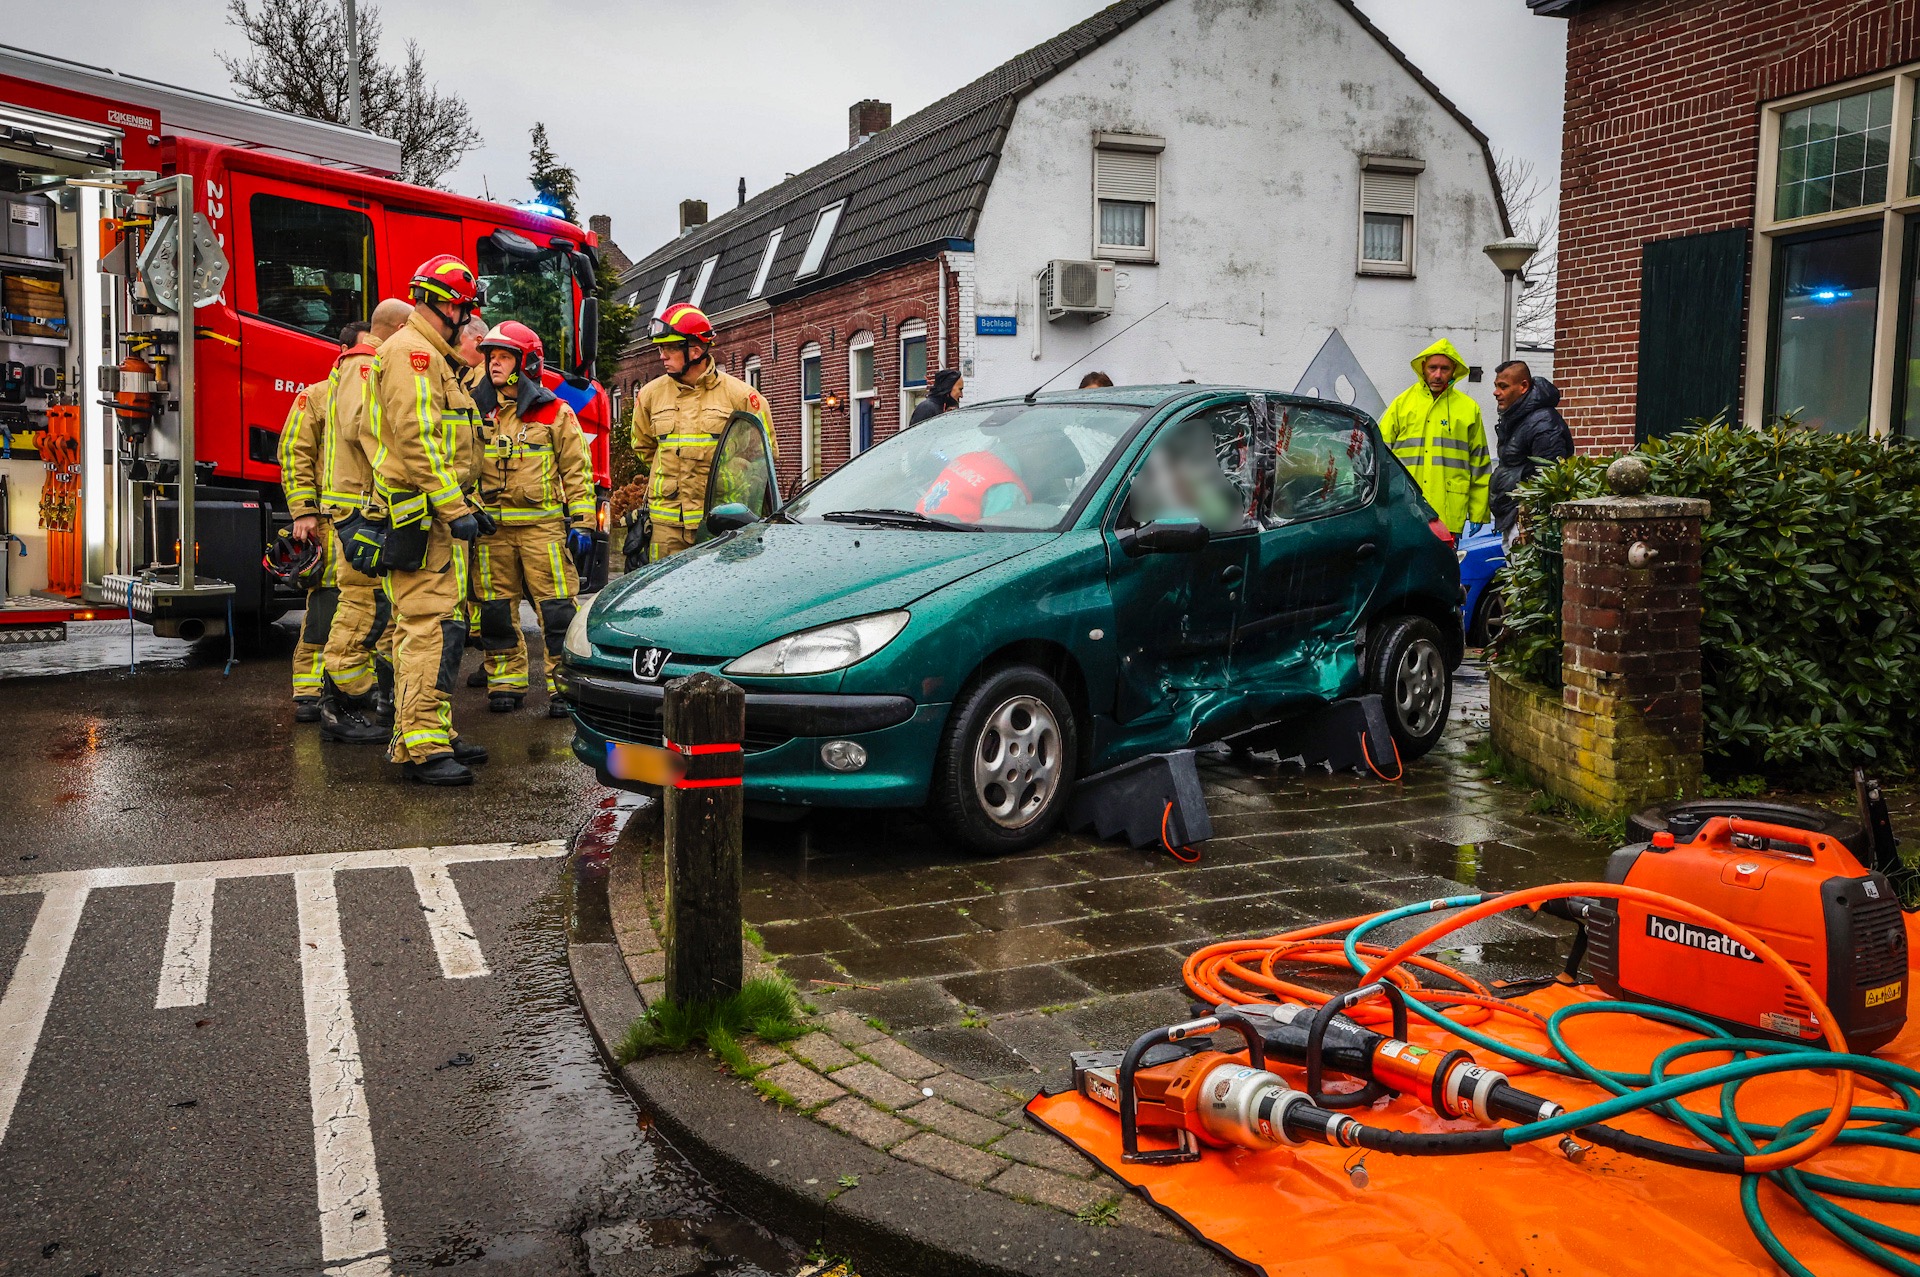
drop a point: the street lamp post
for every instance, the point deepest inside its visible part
(1511, 257)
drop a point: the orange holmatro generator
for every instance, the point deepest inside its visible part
(1801, 891)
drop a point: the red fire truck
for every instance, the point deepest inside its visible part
(128, 432)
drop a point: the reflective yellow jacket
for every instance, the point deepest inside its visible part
(346, 455)
(536, 469)
(1443, 441)
(302, 439)
(423, 423)
(675, 429)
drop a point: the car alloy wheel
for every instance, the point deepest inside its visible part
(1420, 686)
(1017, 763)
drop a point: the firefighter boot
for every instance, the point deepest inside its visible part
(468, 753)
(504, 702)
(349, 719)
(306, 709)
(438, 769)
(556, 709)
(479, 677)
(383, 692)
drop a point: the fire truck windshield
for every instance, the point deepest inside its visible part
(537, 290)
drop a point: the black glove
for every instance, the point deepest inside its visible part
(465, 528)
(488, 524)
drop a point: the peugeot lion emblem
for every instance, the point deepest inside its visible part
(649, 661)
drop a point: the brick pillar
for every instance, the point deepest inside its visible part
(1624, 729)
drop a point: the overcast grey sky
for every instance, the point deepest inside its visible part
(657, 102)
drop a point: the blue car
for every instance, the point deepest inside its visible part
(1481, 556)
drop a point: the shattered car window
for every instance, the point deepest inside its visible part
(1324, 464)
(1203, 466)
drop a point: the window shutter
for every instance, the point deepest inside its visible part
(1386, 192)
(1126, 175)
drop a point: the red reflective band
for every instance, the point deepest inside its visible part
(694, 750)
(717, 782)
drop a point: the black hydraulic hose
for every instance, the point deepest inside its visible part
(1429, 1143)
(1693, 1159)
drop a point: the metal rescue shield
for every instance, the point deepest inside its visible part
(742, 472)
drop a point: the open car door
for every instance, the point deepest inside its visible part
(742, 471)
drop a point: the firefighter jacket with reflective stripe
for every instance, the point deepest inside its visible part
(675, 428)
(346, 461)
(1443, 441)
(423, 423)
(535, 469)
(301, 442)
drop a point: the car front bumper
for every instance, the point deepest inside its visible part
(785, 731)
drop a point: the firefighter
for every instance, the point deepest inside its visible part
(678, 418)
(422, 418)
(536, 482)
(1437, 432)
(358, 658)
(302, 442)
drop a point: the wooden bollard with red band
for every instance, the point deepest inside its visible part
(705, 718)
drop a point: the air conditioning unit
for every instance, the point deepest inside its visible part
(1077, 288)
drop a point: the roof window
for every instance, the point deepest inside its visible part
(829, 217)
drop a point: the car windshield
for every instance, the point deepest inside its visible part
(1003, 468)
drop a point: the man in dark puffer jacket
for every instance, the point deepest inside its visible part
(1530, 432)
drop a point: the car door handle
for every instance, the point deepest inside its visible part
(1231, 574)
(1366, 549)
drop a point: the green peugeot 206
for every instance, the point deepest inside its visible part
(982, 609)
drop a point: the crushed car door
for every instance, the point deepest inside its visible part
(1318, 560)
(742, 472)
(1175, 612)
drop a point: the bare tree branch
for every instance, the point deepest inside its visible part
(1536, 216)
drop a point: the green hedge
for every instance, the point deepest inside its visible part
(1810, 585)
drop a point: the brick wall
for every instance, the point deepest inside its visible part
(1661, 139)
(878, 303)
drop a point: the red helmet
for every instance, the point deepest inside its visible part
(515, 336)
(681, 322)
(447, 278)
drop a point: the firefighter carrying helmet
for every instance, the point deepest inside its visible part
(681, 322)
(294, 563)
(447, 278)
(512, 335)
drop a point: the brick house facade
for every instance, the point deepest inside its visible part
(1714, 255)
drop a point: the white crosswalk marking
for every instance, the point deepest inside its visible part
(353, 1233)
(183, 966)
(460, 956)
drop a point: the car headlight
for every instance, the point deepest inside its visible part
(576, 643)
(822, 650)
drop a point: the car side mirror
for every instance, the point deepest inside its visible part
(1175, 532)
(729, 517)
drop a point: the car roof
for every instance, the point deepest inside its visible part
(1154, 396)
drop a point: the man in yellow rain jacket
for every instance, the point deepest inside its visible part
(678, 419)
(1437, 433)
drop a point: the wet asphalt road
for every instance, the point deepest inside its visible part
(181, 1139)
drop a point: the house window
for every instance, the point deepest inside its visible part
(750, 371)
(1826, 297)
(810, 412)
(1833, 154)
(666, 294)
(861, 391)
(913, 368)
(818, 242)
(766, 263)
(702, 280)
(1126, 195)
(1389, 186)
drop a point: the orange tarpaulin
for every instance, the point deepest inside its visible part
(1529, 1210)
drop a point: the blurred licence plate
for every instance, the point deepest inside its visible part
(648, 764)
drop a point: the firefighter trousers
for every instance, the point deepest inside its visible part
(429, 638)
(323, 601)
(526, 561)
(362, 628)
(669, 539)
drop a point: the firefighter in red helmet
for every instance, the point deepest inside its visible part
(678, 419)
(536, 482)
(424, 419)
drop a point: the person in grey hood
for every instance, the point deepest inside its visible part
(1530, 433)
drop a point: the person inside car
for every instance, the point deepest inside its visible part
(1030, 468)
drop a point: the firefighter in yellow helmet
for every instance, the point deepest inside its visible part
(423, 421)
(536, 482)
(678, 418)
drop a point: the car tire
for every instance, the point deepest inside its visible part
(1489, 616)
(1407, 669)
(1005, 772)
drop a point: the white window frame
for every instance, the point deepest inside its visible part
(766, 262)
(701, 281)
(911, 395)
(825, 223)
(1132, 175)
(810, 414)
(750, 371)
(1389, 185)
(1893, 213)
(666, 294)
(862, 340)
